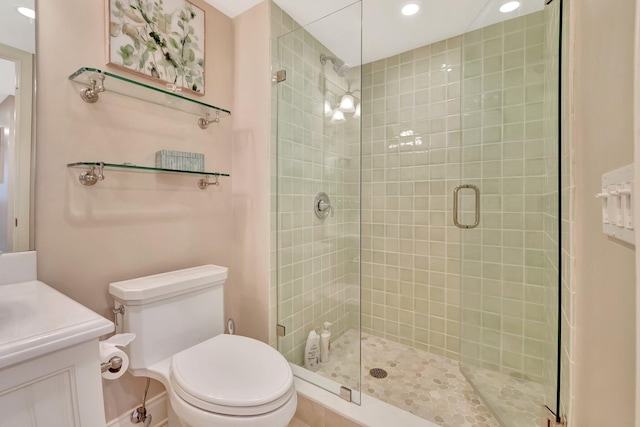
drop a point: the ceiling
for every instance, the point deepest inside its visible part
(233, 8)
(386, 31)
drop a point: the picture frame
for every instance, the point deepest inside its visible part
(163, 40)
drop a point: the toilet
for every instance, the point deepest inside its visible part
(212, 379)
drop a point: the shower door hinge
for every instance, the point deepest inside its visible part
(345, 393)
(549, 419)
(280, 330)
(279, 76)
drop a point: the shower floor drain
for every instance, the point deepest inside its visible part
(378, 373)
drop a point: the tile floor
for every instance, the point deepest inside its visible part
(425, 384)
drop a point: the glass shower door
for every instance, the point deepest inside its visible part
(318, 194)
(510, 269)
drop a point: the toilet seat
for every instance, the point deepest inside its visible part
(222, 375)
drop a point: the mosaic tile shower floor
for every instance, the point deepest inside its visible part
(515, 402)
(427, 385)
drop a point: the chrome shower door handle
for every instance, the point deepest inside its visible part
(476, 221)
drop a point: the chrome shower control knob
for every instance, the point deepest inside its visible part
(322, 205)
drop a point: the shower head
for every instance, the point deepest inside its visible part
(339, 66)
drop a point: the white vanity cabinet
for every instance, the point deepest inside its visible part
(49, 357)
(59, 389)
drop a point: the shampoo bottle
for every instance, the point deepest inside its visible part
(312, 351)
(325, 343)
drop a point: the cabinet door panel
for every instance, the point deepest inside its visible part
(45, 402)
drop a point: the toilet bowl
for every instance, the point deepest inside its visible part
(219, 382)
(212, 379)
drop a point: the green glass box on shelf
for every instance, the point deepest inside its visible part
(181, 160)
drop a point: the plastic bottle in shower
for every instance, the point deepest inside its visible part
(312, 351)
(325, 343)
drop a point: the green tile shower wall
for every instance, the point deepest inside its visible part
(411, 153)
(317, 260)
(469, 106)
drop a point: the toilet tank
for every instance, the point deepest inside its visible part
(170, 312)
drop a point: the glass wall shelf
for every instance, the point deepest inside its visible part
(94, 172)
(97, 81)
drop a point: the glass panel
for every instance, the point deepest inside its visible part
(551, 202)
(134, 89)
(510, 262)
(318, 150)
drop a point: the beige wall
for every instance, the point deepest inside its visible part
(129, 225)
(604, 381)
(248, 300)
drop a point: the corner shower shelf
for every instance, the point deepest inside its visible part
(96, 81)
(94, 172)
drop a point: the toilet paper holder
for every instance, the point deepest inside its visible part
(113, 365)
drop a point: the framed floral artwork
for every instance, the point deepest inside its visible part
(160, 39)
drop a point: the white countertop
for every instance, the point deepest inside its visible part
(35, 319)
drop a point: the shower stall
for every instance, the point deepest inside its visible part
(417, 206)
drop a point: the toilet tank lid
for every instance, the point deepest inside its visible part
(148, 289)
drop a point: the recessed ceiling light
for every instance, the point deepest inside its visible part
(29, 13)
(509, 6)
(410, 8)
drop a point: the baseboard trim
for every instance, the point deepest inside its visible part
(156, 406)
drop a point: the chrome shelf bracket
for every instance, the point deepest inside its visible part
(91, 177)
(204, 122)
(90, 94)
(204, 183)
